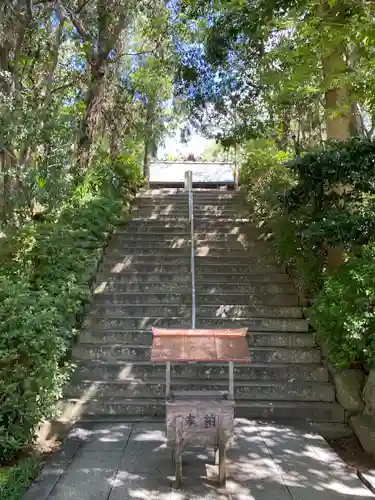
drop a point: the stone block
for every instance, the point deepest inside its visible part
(364, 428)
(348, 384)
(324, 347)
(369, 392)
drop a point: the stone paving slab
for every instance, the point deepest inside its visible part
(118, 461)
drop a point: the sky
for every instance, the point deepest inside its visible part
(196, 145)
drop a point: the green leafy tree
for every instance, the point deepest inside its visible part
(294, 71)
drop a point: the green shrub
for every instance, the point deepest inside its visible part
(45, 272)
(338, 164)
(41, 297)
(343, 313)
(267, 179)
(327, 199)
(14, 480)
(264, 176)
(109, 176)
(303, 258)
(34, 337)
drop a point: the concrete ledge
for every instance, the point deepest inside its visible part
(368, 479)
(208, 185)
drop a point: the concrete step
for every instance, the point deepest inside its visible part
(215, 197)
(299, 410)
(166, 199)
(176, 267)
(169, 231)
(165, 230)
(331, 430)
(142, 353)
(146, 370)
(147, 256)
(182, 222)
(243, 390)
(161, 194)
(199, 197)
(212, 206)
(183, 236)
(184, 310)
(183, 211)
(136, 277)
(311, 411)
(146, 323)
(183, 245)
(144, 337)
(164, 194)
(210, 278)
(202, 253)
(124, 252)
(175, 221)
(209, 209)
(184, 297)
(248, 291)
(179, 218)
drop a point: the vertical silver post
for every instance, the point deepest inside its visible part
(168, 380)
(188, 180)
(231, 380)
(189, 188)
(192, 244)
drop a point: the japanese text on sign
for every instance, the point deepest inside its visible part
(209, 421)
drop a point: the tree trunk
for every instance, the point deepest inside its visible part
(336, 97)
(335, 69)
(115, 144)
(93, 113)
(148, 140)
(5, 191)
(110, 22)
(356, 122)
(285, 129)
(6, 160)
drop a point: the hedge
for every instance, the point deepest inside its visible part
(45, 275)
(323, 200)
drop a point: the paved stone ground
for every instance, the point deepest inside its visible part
(116, 461)
(202, 172)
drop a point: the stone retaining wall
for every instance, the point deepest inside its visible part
(355, 388)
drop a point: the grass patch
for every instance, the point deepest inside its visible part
(15, 479)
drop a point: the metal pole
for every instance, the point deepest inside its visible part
(231, 379)
(188, 180)
(189, 188)
(192, 245)
(235, 169)
(168, 380)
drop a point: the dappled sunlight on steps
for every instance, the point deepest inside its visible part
(144, 281)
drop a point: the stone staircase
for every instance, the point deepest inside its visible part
(144, 281)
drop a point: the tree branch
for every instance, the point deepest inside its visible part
(82, 31)
(140, 53)
(63, 87)
(82, 6)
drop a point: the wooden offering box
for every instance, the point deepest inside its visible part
(199, 418)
